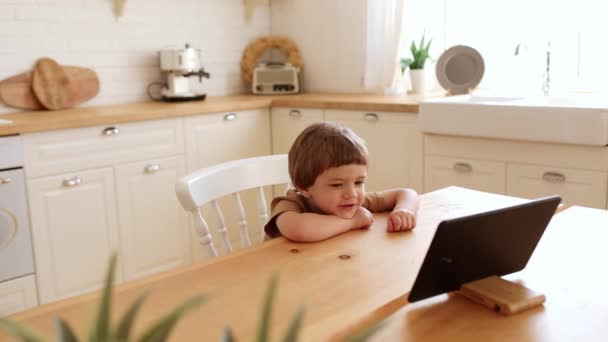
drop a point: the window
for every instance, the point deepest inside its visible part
(576, 32)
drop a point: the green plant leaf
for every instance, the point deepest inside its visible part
(64, 332)
(294, 327)
(264, 322)
(364, 335)
(100, 330)
(162, 328)
(405, 63)
(126, 322)
(19, 331)
(421, 46)
(227, 335)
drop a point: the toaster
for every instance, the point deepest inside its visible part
(273, 79)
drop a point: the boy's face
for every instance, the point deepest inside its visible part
(339, 190)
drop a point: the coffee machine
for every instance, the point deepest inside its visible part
(182, 74)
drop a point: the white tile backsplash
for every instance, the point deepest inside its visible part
(124, 52)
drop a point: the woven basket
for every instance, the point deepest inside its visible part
(254, 51)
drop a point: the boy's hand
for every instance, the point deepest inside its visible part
(362, 219)
(401, 220)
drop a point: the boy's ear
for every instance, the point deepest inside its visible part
(304, 193)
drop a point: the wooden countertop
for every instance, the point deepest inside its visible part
(36, 121)
(345, 282)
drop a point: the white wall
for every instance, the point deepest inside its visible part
(124, 53)
(331, 37)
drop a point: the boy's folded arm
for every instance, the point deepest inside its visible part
(310, 227)
(403, 198)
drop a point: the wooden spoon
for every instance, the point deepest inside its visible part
(51, 84)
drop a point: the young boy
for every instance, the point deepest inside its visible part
(328, 167)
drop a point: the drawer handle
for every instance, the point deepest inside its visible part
(152, 168)
(110, 131)
(5, 180)
(294, 113)
(462, 167)
(230, 117)
(371, 117)
(71, 182)
(554, 177)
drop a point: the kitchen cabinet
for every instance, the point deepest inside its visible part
(580, 187)
(89, 198)
(74, 231)
(394, 143)
(579, 174)
(154, 235)
(221, 137)
(17, 295)
(441, 172)
(287, 123)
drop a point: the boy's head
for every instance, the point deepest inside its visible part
(322, 146)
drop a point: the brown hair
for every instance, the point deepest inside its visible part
(322, 146)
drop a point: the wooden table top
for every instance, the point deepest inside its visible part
(45, 120)
(348, 281)
(568, 266)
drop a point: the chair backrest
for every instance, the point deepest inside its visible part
(209, 184)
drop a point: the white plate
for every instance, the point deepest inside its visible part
(459, 69)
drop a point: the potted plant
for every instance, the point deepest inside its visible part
(102, 331)
(420, 54)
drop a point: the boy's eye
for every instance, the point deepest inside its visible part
(360, 182)
(336, 185)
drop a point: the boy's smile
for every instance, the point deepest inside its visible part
(338, 190)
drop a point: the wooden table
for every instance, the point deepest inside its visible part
(570, 266)
(353, 279)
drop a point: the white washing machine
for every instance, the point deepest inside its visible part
(16, 259)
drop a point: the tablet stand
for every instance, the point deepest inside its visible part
(502, 295)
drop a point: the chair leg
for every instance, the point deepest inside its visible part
(202, 230)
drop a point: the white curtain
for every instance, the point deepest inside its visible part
(384, 34)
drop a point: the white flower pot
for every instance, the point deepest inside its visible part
(418, 79)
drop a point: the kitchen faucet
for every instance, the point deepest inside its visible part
(547, 78)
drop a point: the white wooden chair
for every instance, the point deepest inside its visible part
(209, 184)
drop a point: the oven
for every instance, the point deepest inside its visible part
(16, 259)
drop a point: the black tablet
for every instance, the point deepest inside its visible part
(470, 248)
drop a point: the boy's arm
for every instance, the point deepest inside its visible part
(404, 204)
(310, 227)
(406, 199)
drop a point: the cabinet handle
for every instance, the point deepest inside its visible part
(462, 167)
(230, 117)
(71, 182)
(554, 177)
(110, 131)
(152, 168)
(371, 117)
(294, 113)
(5, 180)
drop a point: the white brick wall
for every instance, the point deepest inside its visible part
(331, 35)
(124, 53)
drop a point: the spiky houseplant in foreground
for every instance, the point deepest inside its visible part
(101, 331)
(159, 332)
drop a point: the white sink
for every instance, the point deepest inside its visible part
(579, 119)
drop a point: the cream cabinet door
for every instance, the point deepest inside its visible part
(480, 175)
(577, 187)
(74, 231)
(394, 142)
(221, 137)
(217, 138)
(154, 236)
(287, 123)
(17, 295)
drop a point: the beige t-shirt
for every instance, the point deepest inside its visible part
(294, 201)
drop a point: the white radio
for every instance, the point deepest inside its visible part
(275, 79)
